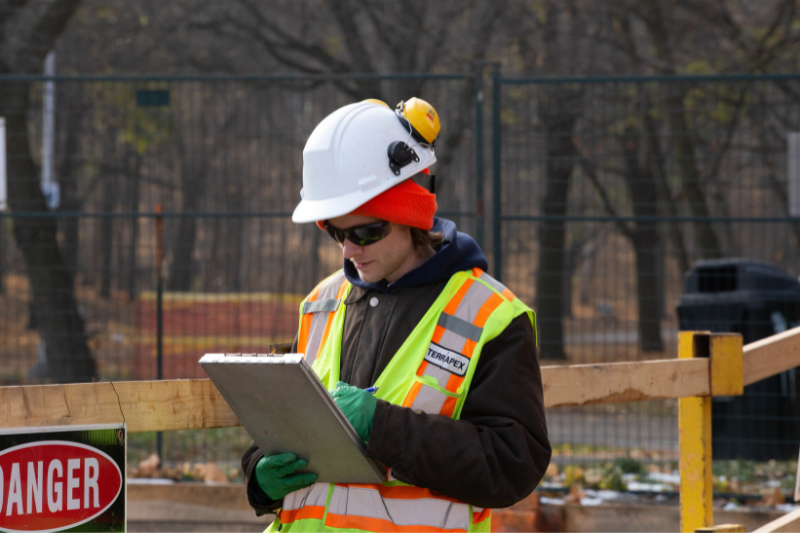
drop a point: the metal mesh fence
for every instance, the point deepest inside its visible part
(604, 194)
(611, 191)
(222, 158)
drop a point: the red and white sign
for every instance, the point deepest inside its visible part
(53, 485)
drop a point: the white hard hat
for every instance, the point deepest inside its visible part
(346, 161)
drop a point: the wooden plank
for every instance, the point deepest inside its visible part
(196, 404)
(771, 356)
(788, 522)
(625, 382)
(143, 405)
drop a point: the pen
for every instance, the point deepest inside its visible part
(372, 390)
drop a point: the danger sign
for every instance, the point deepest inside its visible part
(56, 480)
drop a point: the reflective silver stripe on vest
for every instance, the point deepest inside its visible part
(316, 494)
(430, 400)
(320, 318)
(316, 306)
(462, 327)
(427, 512)
(496, 285)
(467, 310)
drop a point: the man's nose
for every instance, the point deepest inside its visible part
(350, 249)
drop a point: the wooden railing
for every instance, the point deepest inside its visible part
(708, 365)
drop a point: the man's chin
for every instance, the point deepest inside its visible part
(368, 278)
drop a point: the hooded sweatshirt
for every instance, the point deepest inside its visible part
(498, 451)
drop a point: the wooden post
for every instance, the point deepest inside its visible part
(724, 351)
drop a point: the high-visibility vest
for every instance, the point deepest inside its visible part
(431, 372)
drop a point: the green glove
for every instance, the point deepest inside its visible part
(273, 474)
(357, 405)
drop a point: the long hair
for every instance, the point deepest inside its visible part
(421, 239)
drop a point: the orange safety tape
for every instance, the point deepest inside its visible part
(455, 381)
(437, 334)
(509, 295)
(305, 327)
(305, 324)
(480, 517)
(309, 511)
(452, 305)
(329, 321)
(450, 308)
(412, 394)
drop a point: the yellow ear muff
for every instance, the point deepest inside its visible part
(422, 118)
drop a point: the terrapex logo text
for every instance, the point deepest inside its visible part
(54, 485)
(443, 358)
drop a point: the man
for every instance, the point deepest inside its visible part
(458, 415)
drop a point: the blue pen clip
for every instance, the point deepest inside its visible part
(372, 390)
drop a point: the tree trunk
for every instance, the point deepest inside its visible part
(558, 111)
(2, 254)
(180, 276)
(107, 235)
(67, 354)
(134, 165)
(646, 242)
(690, 177)
(233, 265)
(193, 182)
(656, 167)
(211, 265)
(680, 132)
(69, 127)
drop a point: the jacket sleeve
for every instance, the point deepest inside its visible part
(497, 453)
(255, 496)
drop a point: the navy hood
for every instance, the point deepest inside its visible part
(459, 252)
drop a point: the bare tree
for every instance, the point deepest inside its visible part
(542, 41)
(60, 324)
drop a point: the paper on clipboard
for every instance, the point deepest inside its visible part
(285, 408)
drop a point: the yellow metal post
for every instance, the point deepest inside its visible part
(694, 425)
(724, 351)
(727, 376)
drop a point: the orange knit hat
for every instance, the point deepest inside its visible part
(406, 203)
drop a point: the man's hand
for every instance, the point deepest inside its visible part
(357, 405)
(274, 475)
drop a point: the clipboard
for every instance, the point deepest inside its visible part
(285, 408)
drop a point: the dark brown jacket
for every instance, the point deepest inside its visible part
(498, 451)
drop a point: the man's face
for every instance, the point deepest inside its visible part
(386, 259)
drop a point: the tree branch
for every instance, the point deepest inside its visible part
(588, 168)
(44, 34)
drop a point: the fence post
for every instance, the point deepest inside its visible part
(497, 249)
(694, 437)
(479, 153)
(159, 312)
(694, 420)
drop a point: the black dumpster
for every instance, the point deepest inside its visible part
(757, 300)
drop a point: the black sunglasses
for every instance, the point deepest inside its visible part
(360, 235)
